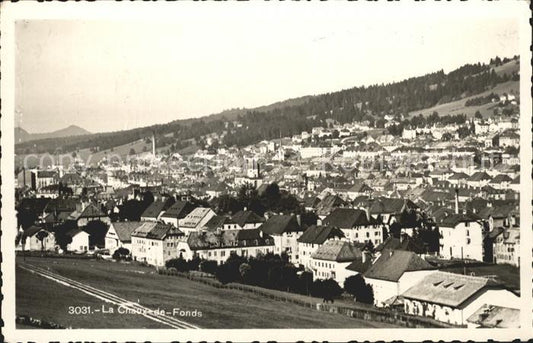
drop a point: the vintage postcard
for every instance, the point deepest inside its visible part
(266, 171)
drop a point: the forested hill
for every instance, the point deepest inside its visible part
(293, 116)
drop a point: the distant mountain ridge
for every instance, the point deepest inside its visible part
(22, 135)
(368, 104)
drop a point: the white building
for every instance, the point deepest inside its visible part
(119, 235)
(196, 219)
(394, 272)
(285, 229)
(218, 246)
(453, 298)
(507, 247)
(356, 225)
(461, 236)
(155, 243)
(330, 260)
(313, 238)
(80, 240)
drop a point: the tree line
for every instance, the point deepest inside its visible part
(357, 104)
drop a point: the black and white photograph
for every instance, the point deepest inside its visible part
(266, 170)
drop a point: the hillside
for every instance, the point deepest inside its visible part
(22, 135)
(445, 93)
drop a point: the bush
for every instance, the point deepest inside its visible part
(194, 264)
(178, 263)
(224, 275)
(121, 254)
(209, 267)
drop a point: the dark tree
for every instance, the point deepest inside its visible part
(356, 286)
(97, 230)
(41, 235)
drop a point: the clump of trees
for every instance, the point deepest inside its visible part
(272, 199)
(122, 254)
(359, 289)
(269, 270)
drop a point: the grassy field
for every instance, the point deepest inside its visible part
(458, 107)
(221, 308)
(54, 300)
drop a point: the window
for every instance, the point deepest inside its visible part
(467, 224)
(467, 233)
(367, 234)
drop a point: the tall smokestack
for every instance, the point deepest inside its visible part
(457, 201)
(153, 143)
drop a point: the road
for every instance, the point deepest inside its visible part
(109, 297)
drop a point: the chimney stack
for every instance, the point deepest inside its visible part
(456, 201)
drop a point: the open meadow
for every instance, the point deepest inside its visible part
(221, 308)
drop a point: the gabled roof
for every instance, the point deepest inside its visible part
(392, 264)
(490, 316)
(458, 176)
(448, 288)
(501, 178)
(501, 211)
(90, 211)
(338, 251)
(319, 234)
(345, 218)
(479, 176)
(406, 244)
(155, 230)
(216, 222)
(154, 209)
(195, 217)
(246, 217)
(56, 217)
(330, 202)
(32, 230)
(125, 229)
(61, 205)
(454, 219)
(179, 210)
(278, 224)
(359, 266)
(73, 232)
(34, 205)
(359, 187)
(227, 239)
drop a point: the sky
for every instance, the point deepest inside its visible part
(121, 74)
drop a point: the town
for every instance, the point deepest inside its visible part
(417, 215)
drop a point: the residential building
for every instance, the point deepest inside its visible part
(356, 225)
(80, 240)
(393, 272)
(285, 229)
(37, 238)
(218, 246)
(179, 210)
(119, 235)
(312, 238)
(461, 236)
(155, 243)
(196, 220)
(507, 246)
(330, 260)
(454, 298)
